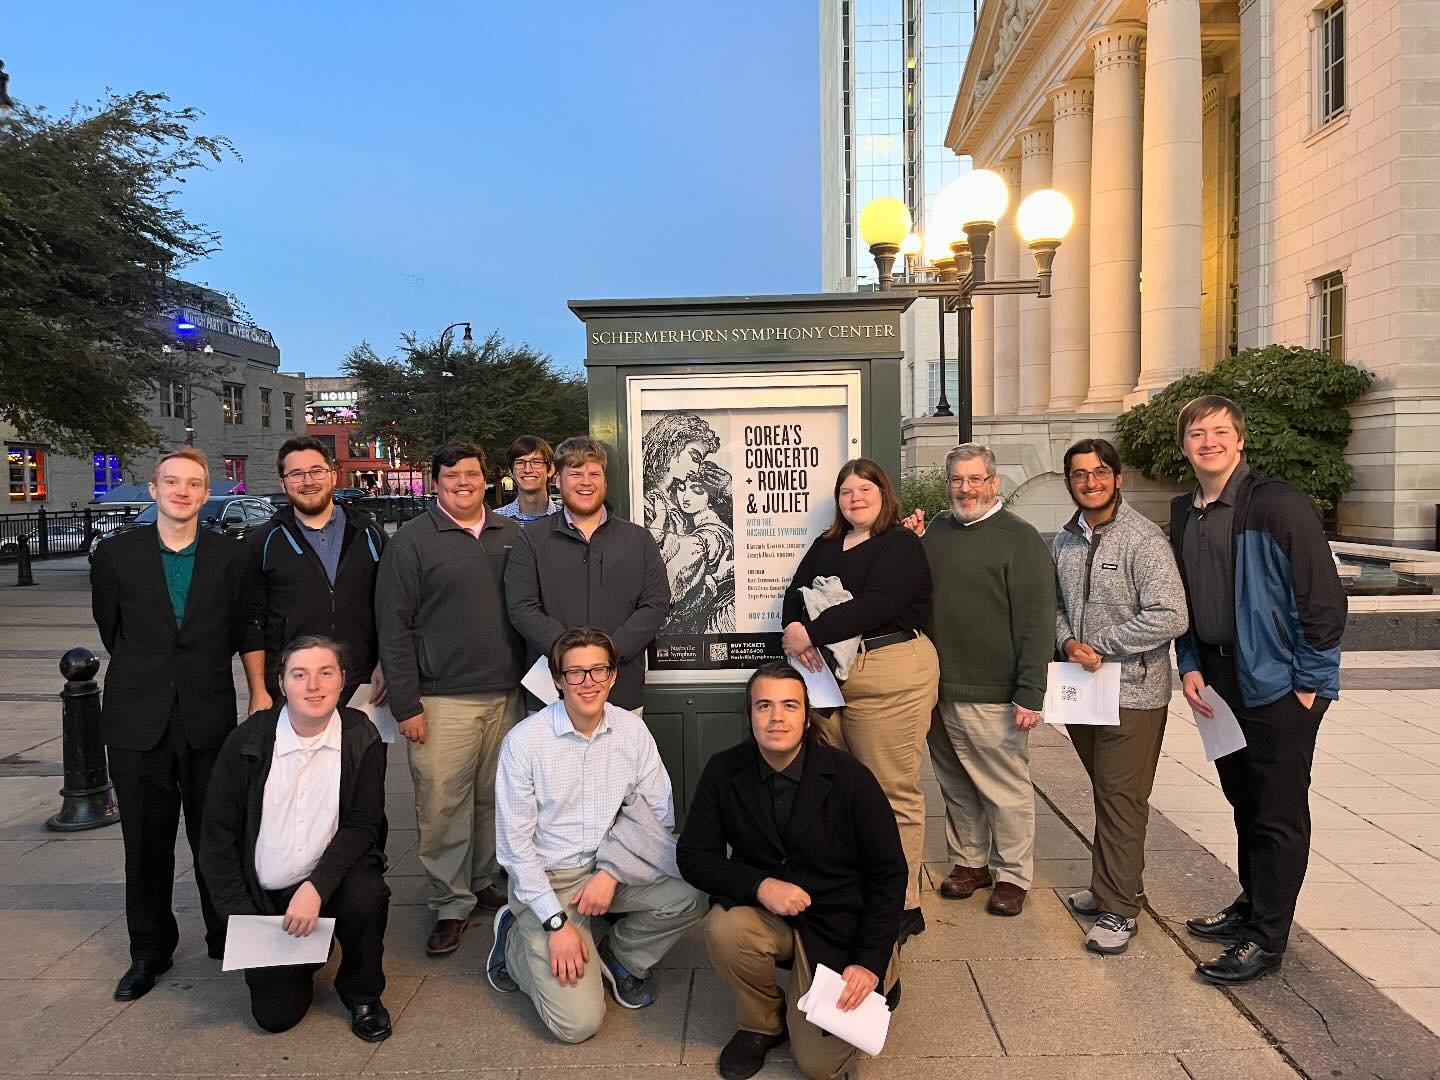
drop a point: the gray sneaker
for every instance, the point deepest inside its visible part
(629, 990)
(495, 970)
(1083, 903)
(1111, 933)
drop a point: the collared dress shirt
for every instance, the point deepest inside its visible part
(327, 540)
(995, 508)
(179, 569)
(512, 510)
(1209, 554)
(300, 813)
(474, 530)
(783, 787)
(557, 794)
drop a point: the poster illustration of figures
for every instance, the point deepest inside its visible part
(734, 482)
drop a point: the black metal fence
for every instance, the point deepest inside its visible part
(393, 509)
(59, 534)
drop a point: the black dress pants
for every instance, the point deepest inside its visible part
(1268, 785)
(151, 788)
(281, 996)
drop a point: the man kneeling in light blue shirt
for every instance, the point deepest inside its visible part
(583, 814)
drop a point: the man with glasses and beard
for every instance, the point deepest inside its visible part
(312, 571)
(993, 624)
(583, 823)
(1120, 601)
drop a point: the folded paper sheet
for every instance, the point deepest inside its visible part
(1076, 696)
(820, 687)
(865, 1026)
(259, 941)
(538, 681)
(380, 715)
(1220, 733)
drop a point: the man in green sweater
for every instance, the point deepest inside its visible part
(992, 623)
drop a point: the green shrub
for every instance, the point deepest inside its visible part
(1296, 424)
(926, 490)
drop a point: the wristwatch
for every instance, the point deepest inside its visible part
(555, 922)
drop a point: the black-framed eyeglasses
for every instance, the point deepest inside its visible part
(971, 481)
(319, 472)
(530, 465)
(576, 676)
(1079, 476)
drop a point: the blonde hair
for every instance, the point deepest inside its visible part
(186, 453)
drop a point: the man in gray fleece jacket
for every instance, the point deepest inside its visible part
(1120, 600)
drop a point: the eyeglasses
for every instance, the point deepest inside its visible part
(576, 676)
(319, 472)
(530, 465)
(1079, 476)
(971, 481)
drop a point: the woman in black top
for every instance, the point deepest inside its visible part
(893, 684)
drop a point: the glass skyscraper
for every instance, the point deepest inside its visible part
(889, 73)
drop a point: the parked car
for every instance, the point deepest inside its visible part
(347, 495)
(230, 515)
(62, 540)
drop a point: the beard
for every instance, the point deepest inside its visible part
(975, 513)
(311, 504)
(1104, 510)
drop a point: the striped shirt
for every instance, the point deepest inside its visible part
(557, 794)
(512, 510)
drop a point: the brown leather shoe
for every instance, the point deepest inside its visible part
(1006, 899)
(964, 880)
(445, 937)
(491, 899)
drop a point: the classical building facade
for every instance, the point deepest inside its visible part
(1242, 174)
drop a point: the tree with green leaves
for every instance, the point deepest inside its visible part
(488, 394)
(1296, 421)
(89, 235)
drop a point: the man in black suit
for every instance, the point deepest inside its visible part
(798, 848)
(169, 602)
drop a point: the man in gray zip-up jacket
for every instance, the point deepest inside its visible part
(1120, 600)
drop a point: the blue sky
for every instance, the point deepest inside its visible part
(409, 165)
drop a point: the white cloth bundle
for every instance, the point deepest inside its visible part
(826, 593)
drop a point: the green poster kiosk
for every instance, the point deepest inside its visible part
(726, 421)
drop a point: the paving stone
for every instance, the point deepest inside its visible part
(1067, 874)
(456, 1021)
(1347, 847)
(43, 1022)
(1066, 1067)
(1389, 958)
(106, 954)
(1349, 905)
(1192, 796)
(10, 850)
(708, 1029)
(1050, 1007)
(405, 935)
(1378, 800)
(73, 864)
(1264, 1064)
(31, 941)
(190, 1025)
(1423, 1003)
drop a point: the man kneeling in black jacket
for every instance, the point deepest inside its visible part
(814, 875)
(295, 826)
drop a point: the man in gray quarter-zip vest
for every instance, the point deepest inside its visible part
(1120, 601)
(312, 571)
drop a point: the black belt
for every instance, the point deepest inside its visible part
(873, 643)
(1227, 651)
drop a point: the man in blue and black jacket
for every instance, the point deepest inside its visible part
(1267, 612)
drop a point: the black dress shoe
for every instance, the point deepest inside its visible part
(1240, 963)
(1222, 926)
(370, 1022)
(744, 1054)
(139, 980)
(912, 923)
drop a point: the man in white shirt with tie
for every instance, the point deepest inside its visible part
(564, 773)
(316, 774)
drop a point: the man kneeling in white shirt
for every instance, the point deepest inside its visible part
(583, 814)
(294, 826)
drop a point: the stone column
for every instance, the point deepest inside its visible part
(1035, 151)
(1215, 210)
(1006, 312)
(982, 356)
(1170, 209)
(1070, 303)
(1115, 207)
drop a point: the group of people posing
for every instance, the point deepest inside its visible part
(802, 844)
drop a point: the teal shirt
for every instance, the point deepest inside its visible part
(179, 569)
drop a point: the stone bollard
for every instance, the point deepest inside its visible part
(23, 574)
(89, 798)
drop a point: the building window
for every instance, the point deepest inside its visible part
(952, 386)
(107, 472)
(235, 470)
(172, 401)
(264, 408)
(27, 473)
(1330, 62)
(1330, 315)
(289, 412)
(232, 401)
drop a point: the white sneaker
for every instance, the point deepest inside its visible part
(1083, 903)
(1111, 933)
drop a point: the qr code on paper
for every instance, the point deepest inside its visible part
(719, 652)
(1069, 693)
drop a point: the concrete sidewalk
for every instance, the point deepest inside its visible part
(1008, 998)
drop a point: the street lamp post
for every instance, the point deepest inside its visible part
(446, 373)
(208, 350)
(964, 217)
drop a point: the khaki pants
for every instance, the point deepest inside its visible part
(982, 763)
(1121, 762)
(454, 772)
(888, 700)
(745, 943)
(657, 917)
